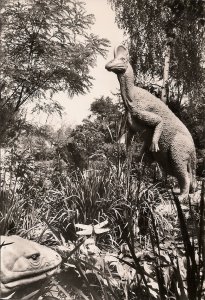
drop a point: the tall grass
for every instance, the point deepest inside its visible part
(9, 201)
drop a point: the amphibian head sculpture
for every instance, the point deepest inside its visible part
(24, 263)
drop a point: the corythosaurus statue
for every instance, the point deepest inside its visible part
(164, 135)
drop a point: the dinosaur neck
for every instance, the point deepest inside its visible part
(126, 86)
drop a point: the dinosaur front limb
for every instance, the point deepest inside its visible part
(156, 136)
(154, 147)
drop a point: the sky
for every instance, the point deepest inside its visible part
(77, 108)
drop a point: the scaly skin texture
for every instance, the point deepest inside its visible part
(164, 135)
(24, 262)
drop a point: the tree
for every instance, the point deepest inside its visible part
(94, 143)
(166, 41)
(47, 48)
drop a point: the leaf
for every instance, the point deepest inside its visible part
(82, 226)
(101, 230)
(102, 224)
(85, 232)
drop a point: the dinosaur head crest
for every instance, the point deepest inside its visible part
(120, 51)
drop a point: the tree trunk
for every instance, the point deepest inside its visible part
(164, 95)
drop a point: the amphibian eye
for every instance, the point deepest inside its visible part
(35, 256)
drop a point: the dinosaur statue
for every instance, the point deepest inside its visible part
(24, 262)
(164, 135)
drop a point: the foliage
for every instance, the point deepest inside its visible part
(10, 124)
(136, 258)
(150, 25)
(95, 142)
(48, 47)
(194, 121)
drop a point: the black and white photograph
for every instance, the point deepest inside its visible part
(102, 149)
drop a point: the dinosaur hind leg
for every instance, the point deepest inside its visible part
(184, 184)
(181, 169)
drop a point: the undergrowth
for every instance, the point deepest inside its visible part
(154, 248)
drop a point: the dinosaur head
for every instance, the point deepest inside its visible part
(120, 62)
